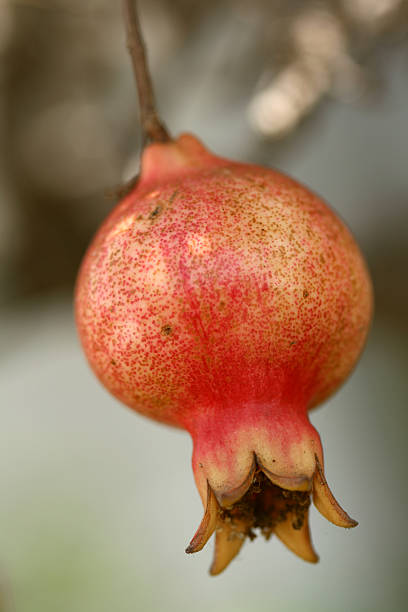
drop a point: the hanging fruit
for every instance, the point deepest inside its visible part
(229, 300)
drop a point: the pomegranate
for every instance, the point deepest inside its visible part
(227, 299)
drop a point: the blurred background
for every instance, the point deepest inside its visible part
(97, 503)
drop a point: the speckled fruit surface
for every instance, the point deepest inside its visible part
(227, 299)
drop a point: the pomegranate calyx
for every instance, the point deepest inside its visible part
(261, 504)
(265, 507)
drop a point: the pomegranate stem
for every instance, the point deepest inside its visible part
(153, 128)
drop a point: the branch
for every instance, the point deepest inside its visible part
(153, 128)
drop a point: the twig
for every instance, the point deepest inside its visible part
(153, 128)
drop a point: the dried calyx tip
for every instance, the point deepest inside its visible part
(325, 501)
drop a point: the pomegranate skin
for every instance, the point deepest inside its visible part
(227, 299)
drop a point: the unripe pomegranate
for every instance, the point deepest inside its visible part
(227, 299)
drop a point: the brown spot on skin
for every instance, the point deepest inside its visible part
(166, 330)
(305, 293)
(173, 195)
(155, 213)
